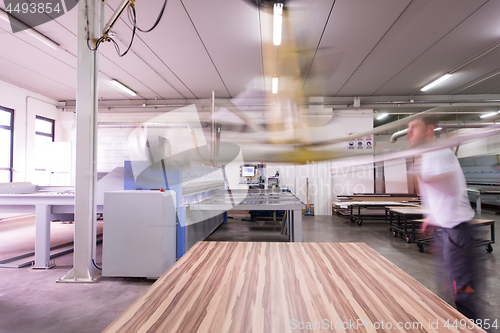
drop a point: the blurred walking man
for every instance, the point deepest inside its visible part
(444, 194)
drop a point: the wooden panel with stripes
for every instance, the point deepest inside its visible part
(287, 287)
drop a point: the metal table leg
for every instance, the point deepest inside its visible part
(42, 237)
(297, 226)
(478, 203)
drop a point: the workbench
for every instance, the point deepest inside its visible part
(397, 197)
(474, 223)
(372, 206)
(286, 287)
(407, 214)
(47, 207)
(478, 193)
(257, 199)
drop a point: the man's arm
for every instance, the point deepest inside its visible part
(442, 177)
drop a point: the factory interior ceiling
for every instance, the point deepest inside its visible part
(381, 51)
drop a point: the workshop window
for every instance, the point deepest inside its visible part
(7, 149)
(44, 130)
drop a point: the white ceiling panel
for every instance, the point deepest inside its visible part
(125, 75)
(26, 78)
(422, 24)
(45, 63)
(176, 42)
(236, 36)
(63, 31)
(136, 74)
(37, 59)
(490, 84)
(170, 85)
(478, 32)
(353, 30)
(308, 20)
(480, 68)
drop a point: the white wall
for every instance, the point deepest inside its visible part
(489, 145)
(358, 178)
(27, 105)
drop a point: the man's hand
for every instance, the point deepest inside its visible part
(427, 228)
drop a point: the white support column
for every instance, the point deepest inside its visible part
(86, 143)
(323, 198)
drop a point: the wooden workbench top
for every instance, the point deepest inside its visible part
(283, 287)
(408, 210)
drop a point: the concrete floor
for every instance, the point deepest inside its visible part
(31, 301)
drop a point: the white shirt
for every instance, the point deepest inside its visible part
(446, 200)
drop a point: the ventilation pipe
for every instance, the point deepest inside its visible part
(398, 134)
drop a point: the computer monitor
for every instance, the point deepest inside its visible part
(248, 171)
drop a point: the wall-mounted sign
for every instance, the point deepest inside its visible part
(351, 144)
(368, 141)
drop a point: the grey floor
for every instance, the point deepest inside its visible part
(31, 301)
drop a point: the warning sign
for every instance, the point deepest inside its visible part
(350, 143)
(368, 141)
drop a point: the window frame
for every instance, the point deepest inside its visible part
(11, 129)
(53, 122)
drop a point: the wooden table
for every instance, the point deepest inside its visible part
(282, 287)
(478, 193)
(47, 206)
(371, 205)
(407, 214)
(474, 223)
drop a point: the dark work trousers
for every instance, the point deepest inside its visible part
(459, 258)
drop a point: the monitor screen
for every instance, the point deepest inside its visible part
(247, 171)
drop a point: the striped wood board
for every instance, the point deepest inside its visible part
(282, 287)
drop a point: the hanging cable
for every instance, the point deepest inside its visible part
(133, 20)
(97, 43)
(117, 47)
(133, 17)
(96, 265)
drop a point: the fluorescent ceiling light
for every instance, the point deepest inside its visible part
(32, 32)
(433, 83)
(438, 129)
(277, 23)
(275, 85)
(123, 87)
(382, 116)
(491, 114)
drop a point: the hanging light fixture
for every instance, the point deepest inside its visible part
(435, 82)
(277, 23)
(275, 85)
(30, 31)
(123, 87)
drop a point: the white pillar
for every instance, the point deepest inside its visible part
(86, 142)
(323, 197)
